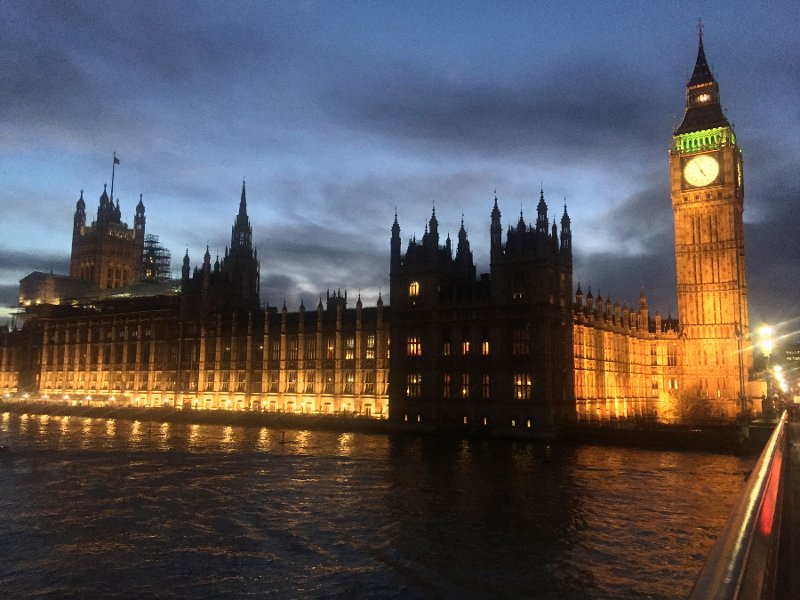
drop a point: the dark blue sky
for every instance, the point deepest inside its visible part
(336, 113)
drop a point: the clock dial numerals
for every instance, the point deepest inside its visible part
(701, 170)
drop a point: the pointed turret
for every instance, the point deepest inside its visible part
(541, 215)
(495, 234)
(395, 244)
(207, 261)
(185, 269)
(643, 316)
(464, 262)
(703, 109)
(566, 234)
(139, 220)
(241, 232)
(80, 214)
(433, 229)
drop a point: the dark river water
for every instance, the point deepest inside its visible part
(96, 508)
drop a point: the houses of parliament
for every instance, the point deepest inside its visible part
(512, 350)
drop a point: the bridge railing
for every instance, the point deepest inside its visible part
(743, 561)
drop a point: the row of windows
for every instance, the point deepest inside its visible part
(212, 381)
(522, 386)
(519, 345)
(329, 348)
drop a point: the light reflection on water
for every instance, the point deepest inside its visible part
(187, 510)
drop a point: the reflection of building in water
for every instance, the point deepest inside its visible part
(509, 350)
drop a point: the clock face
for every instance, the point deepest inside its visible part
(701, 170)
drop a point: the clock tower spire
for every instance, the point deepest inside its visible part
(708, 200)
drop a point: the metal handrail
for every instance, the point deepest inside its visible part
(743, 561)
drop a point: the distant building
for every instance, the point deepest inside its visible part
(206, 344)
(108, 253)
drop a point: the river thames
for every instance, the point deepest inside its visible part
(126, 509)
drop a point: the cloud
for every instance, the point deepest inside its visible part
(569, 111)
(15, 262)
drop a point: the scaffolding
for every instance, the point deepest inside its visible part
(156, 260)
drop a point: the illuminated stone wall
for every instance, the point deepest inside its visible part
(146, 353)
(626, 366)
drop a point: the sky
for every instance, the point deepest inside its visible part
(338, 114)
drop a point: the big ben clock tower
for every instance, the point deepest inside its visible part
(708, 199)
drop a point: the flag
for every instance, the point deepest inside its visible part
(116, 160)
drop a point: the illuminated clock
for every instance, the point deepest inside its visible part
(701, 170)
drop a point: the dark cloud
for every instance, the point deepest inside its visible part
(572, 112)
(8, 296)
(26, 261)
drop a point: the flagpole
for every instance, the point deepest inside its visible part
(113, 165)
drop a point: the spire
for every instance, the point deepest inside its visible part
(495, 233)
(495, 209)
(185, 267)
(702, 72)
(541, 218)
(433, 227)
(395, 243)
(243, 202)
(241, 232)
(140, 206)
(566, 233)
(703, 109)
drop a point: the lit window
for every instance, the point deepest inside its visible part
(414, 385)
(310, 376)
(465, 346)
(370, 354)
(485, 388)
(413, 289)
(369, 382)
(704, 98)
(414, 346)
(349, 382)
(446, 349)
(485, 348)
(522, 386)
(465, 385)
(349, 348)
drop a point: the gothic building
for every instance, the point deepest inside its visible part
(107, 253)
(208, 345)
(707, 188)
(511, 350)
(232, 282)
(495, 349)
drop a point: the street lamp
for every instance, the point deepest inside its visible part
(767, 345)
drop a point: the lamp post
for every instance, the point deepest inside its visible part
(767, 344)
